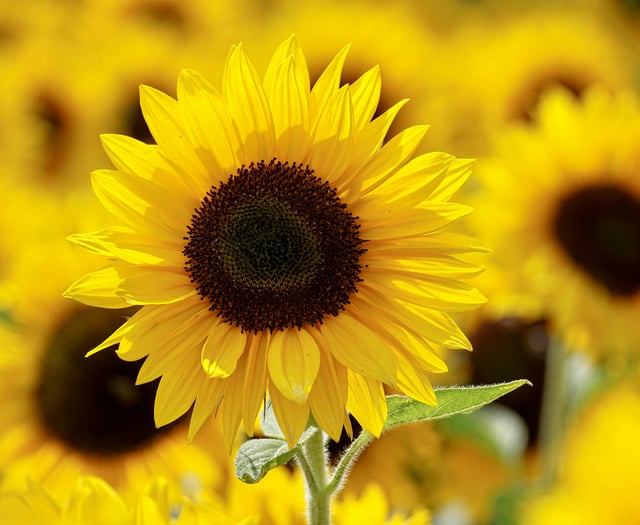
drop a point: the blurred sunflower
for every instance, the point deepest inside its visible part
(277, 247)
(63, 415)
(598, 482)
(561, 208)
(279, 500)
(503, 79)
(94, 501)
(372, 508)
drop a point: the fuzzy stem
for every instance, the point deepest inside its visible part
(350, 455)
(312, 458)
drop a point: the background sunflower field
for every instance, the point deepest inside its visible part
(545, 95)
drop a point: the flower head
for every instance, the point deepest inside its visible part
(561, 209)
(279, 247)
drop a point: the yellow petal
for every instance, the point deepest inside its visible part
(328, 397)
(98, 289)
(458, 173)
(120, 242)
(93, 497)
(209, 124)
(132, 156)
(382, 221)
(365, 95)
(358, 348)
(366, 402)
(415, 181)
(164, 119)
(225, 343)
(290, 107)
(333, 140)
(164, 211)
(153, 326)
(292, 417)
(249, 107)
(327, 84)
(146, 285)
(414, 382)
(176, 393)
(368, 141)
(293, 361)
(208, 399)
(255, 380)
(393, 154)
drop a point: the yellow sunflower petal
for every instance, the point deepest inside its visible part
(365, 95)
(255, 380)
(366, 401)
(125, 244)
(221, 350)
(293, 360)
(289, 102)
(165, 122)
(144, 204)
(292, 416)
(392, 155)
(209, 125)
(146, 285)
(98, 289)
(132, 156)
(418, 221)
(176, 393)
(356, 347)
(368, 141)
(333, 140)
(327, 84)
(249, 107)
(328, 397)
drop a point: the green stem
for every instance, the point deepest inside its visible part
(553, 412)
(312, 457)
(347, 459)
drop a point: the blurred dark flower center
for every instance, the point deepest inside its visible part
(599, 228)
(92, 403)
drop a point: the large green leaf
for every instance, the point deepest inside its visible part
(451, 401)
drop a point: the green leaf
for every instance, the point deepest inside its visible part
(451, 401)
(258, 456)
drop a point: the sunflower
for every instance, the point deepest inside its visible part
(276, 247)
(24, 501)
(373, 508)
(63, 415)
(502, 79)
(598, 481)
(561, 205)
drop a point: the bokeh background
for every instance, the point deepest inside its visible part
(544, 94)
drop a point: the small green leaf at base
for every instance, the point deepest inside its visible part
(256, 457)
(451, 401)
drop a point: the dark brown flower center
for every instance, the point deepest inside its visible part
(274, 248)
(599, 228)
(92, 403)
